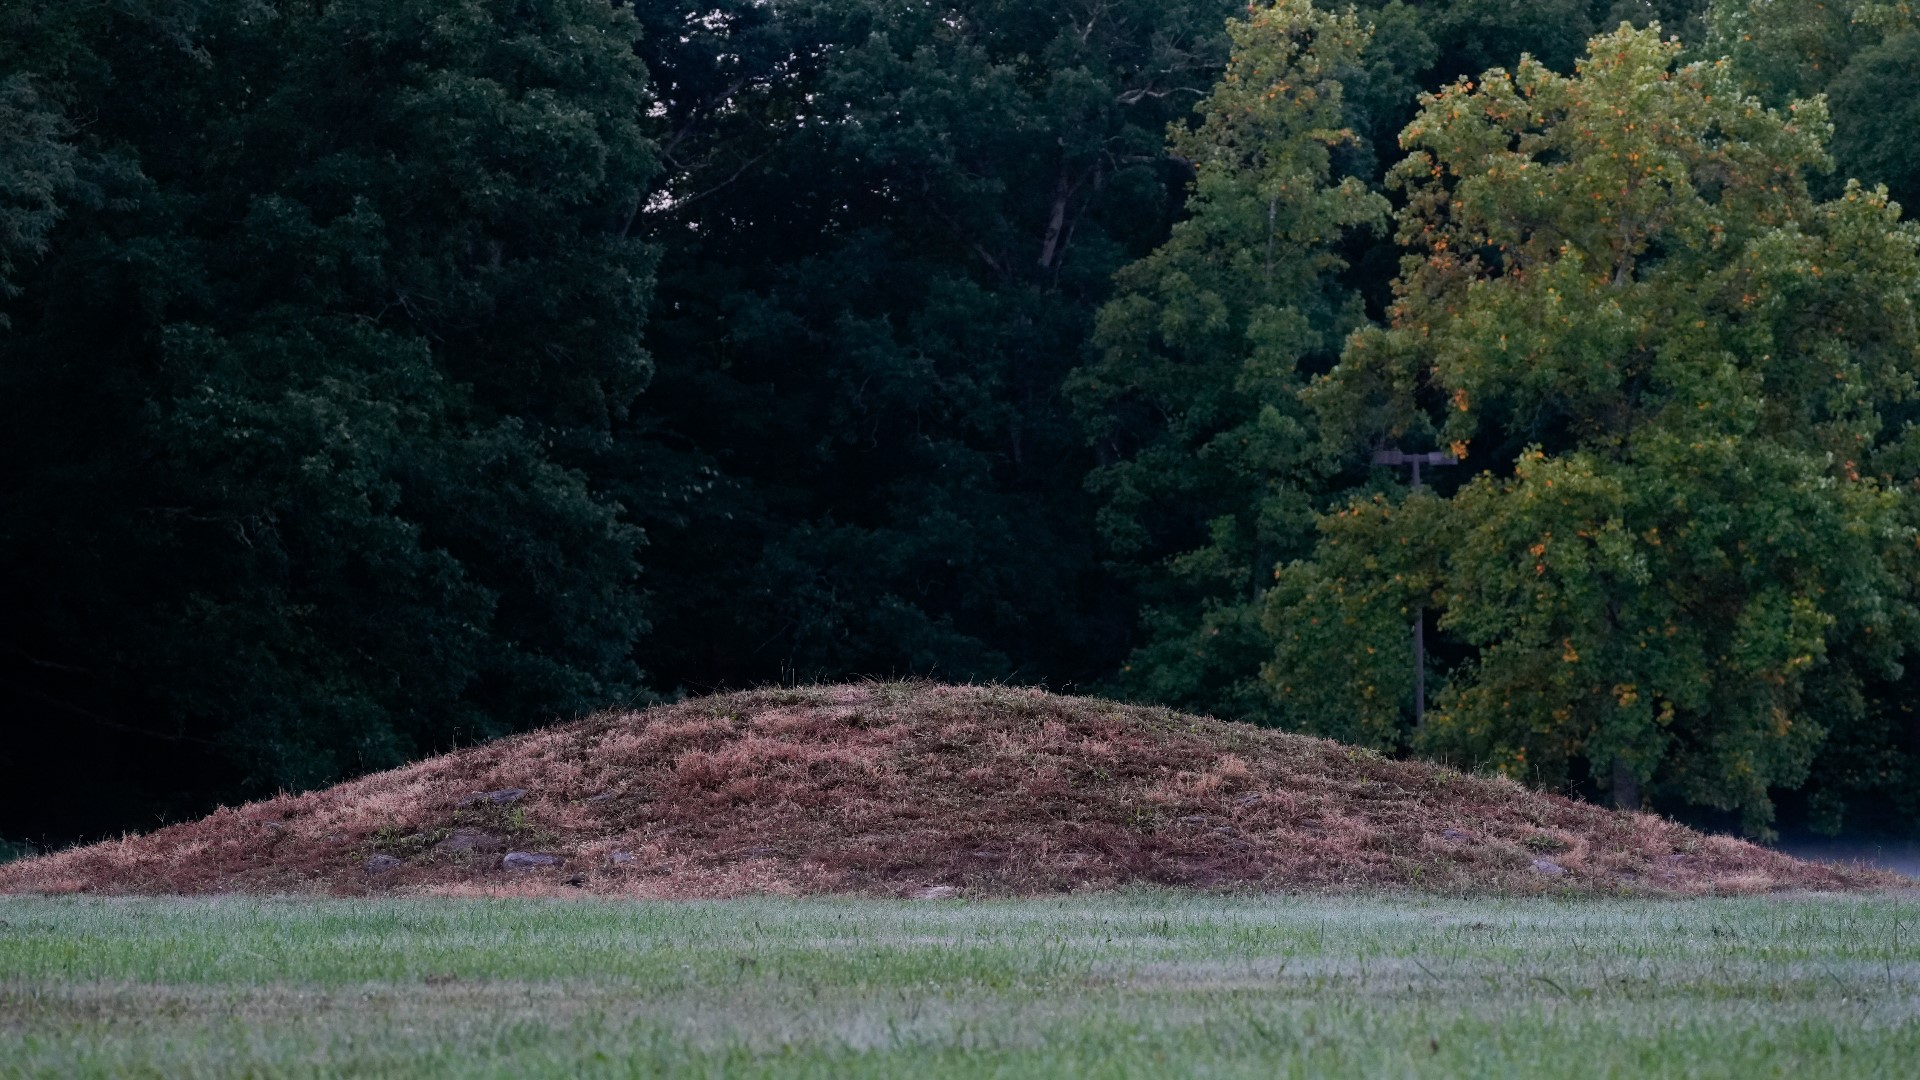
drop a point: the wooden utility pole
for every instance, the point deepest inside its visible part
(1396, 457)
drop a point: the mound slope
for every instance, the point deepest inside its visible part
(915, 788)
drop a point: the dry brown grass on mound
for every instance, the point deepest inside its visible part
(891, 789)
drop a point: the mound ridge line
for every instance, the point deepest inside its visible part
(897, 789)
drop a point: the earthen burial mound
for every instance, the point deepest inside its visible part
(919, 789)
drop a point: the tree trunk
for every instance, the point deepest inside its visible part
(1626, 786)
(1055, 221)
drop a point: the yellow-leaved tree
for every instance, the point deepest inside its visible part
(1679, 385)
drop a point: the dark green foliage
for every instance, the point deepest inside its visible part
(883, 255)
(338, 398)
(305, 400)
(1876, 113)
(1194, 399)
(36, 174)
(1860, 53)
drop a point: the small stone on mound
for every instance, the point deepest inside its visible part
(528, 860)
(498, 798)
(464, 841)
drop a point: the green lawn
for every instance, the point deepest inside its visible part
(1134, 985)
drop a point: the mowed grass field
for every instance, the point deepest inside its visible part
(1143, 984)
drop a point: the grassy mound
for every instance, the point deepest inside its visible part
(919, 789)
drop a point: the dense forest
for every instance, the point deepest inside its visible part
(381, 376)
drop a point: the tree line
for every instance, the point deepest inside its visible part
(384, 375)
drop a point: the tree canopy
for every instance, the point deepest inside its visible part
(1195, 396)
(1674, 370)
(380, 375)
(333, 310)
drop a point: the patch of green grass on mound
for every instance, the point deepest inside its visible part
(1132, 984)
